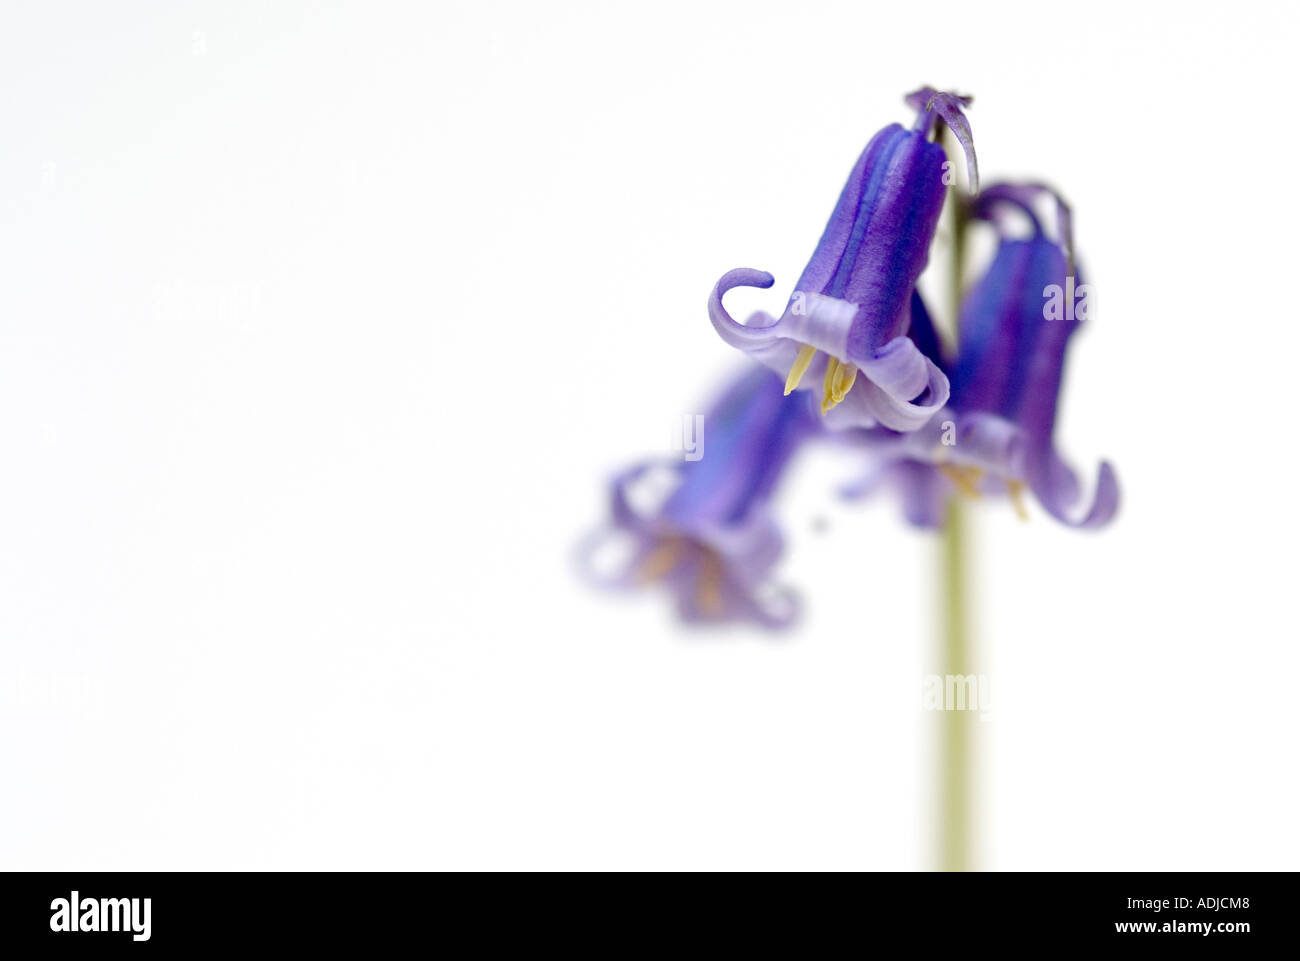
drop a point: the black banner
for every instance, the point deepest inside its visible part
(143, 912)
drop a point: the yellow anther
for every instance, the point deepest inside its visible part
(838, 382)
(659, 561)
(965, 478)
(1015, 490)
(800, 367)
(844, 378)
(828, 385)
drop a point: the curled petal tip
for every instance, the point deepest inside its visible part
(746, 277)
(1105, 503)
(1057, 489)
(924, 97)
(948, 106)
(729, 329)
(1025, 197)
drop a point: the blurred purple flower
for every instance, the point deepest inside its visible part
(997, 433)
(849, 314)
(712, 540)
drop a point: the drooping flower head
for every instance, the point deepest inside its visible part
(997, 433)
(711, 537)
(843, 332)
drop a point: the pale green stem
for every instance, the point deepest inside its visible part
(956, 772)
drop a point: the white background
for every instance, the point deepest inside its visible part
(321, 326)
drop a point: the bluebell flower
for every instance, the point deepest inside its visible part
(996, 434)
(843, 332)
(711, 538)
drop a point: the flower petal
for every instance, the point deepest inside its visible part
(821, 321)
(949, 107)
(923, 492)
(733, 333)
(886, 392)
(1057, 489)
(992, 443)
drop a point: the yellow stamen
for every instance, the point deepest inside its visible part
(800, 367)
(659, 561)
(844, 378)
(1015, 489)
(964, 478)
(828, 385)
(708, 589)
(838, 382)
